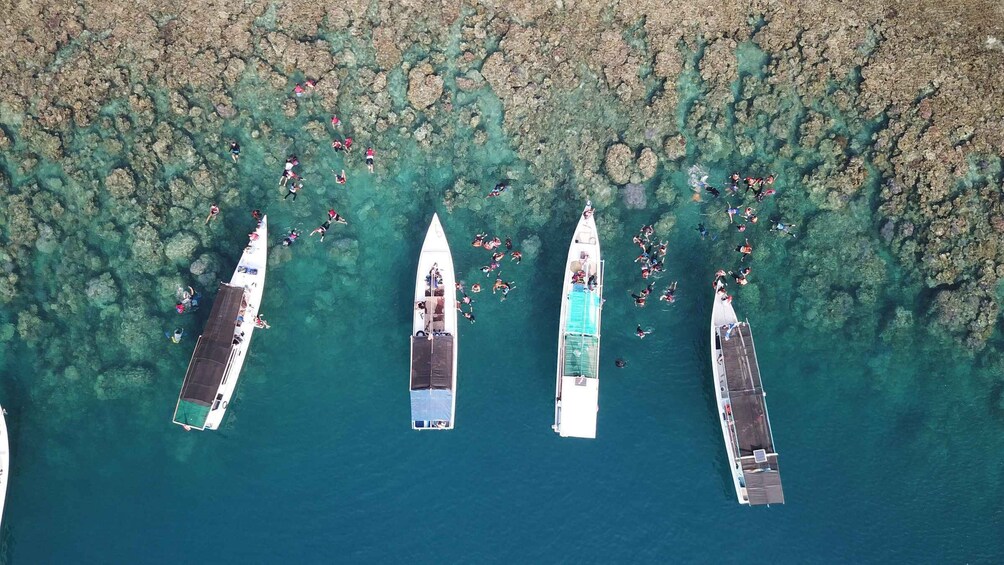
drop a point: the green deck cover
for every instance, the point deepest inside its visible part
(582, 355)
(191, 414)
(583, 311)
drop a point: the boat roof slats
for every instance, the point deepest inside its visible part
(212, 353)
(764, 488)
(432, 362)
(749, 410)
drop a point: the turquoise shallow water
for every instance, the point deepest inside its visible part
(888, 437)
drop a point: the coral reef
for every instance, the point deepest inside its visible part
(115, 121)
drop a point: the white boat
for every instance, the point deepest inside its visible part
(433, 381)
(220, 352)
(578, 383)
(4, 461)
(742, 408)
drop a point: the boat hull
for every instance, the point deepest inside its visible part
(434, 335)
(722, 314)
(4, 462)
(576, 403)
(249, 275)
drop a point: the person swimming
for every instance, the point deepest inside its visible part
(176, 336)
(323, 229)
(291, 238)
(620, 363)
(499, 189)
(703, 230)
(336, 217)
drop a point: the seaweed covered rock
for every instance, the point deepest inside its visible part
(424, 86)
(634, 196)
(102, 291)
(618, 162)
(120, 184)
(181, 246)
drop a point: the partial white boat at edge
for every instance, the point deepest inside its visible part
(742, 409)
(577, 392)
(433, 382)
(221, 349)
(4, 462)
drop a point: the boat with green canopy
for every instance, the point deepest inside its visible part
(578, 379)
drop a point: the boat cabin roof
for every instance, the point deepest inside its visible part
(212, 353)
(432, 362)
(749, 412)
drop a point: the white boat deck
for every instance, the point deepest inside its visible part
(433, 382)
(742, 409)
(228, 351)
(577, 384)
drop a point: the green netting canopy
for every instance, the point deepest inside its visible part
(583, 311)
(582, 355)
(191, 414)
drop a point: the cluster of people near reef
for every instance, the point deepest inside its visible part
(652, 262)
(293, 181)
(744, 218)
(499, 249)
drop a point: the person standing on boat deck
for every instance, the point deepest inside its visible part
(214, 211)
(641, 333)
(370, 158)
(293, 189)
(235, 150)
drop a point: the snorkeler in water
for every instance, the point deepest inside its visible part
(291, 238)
(176, 336)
